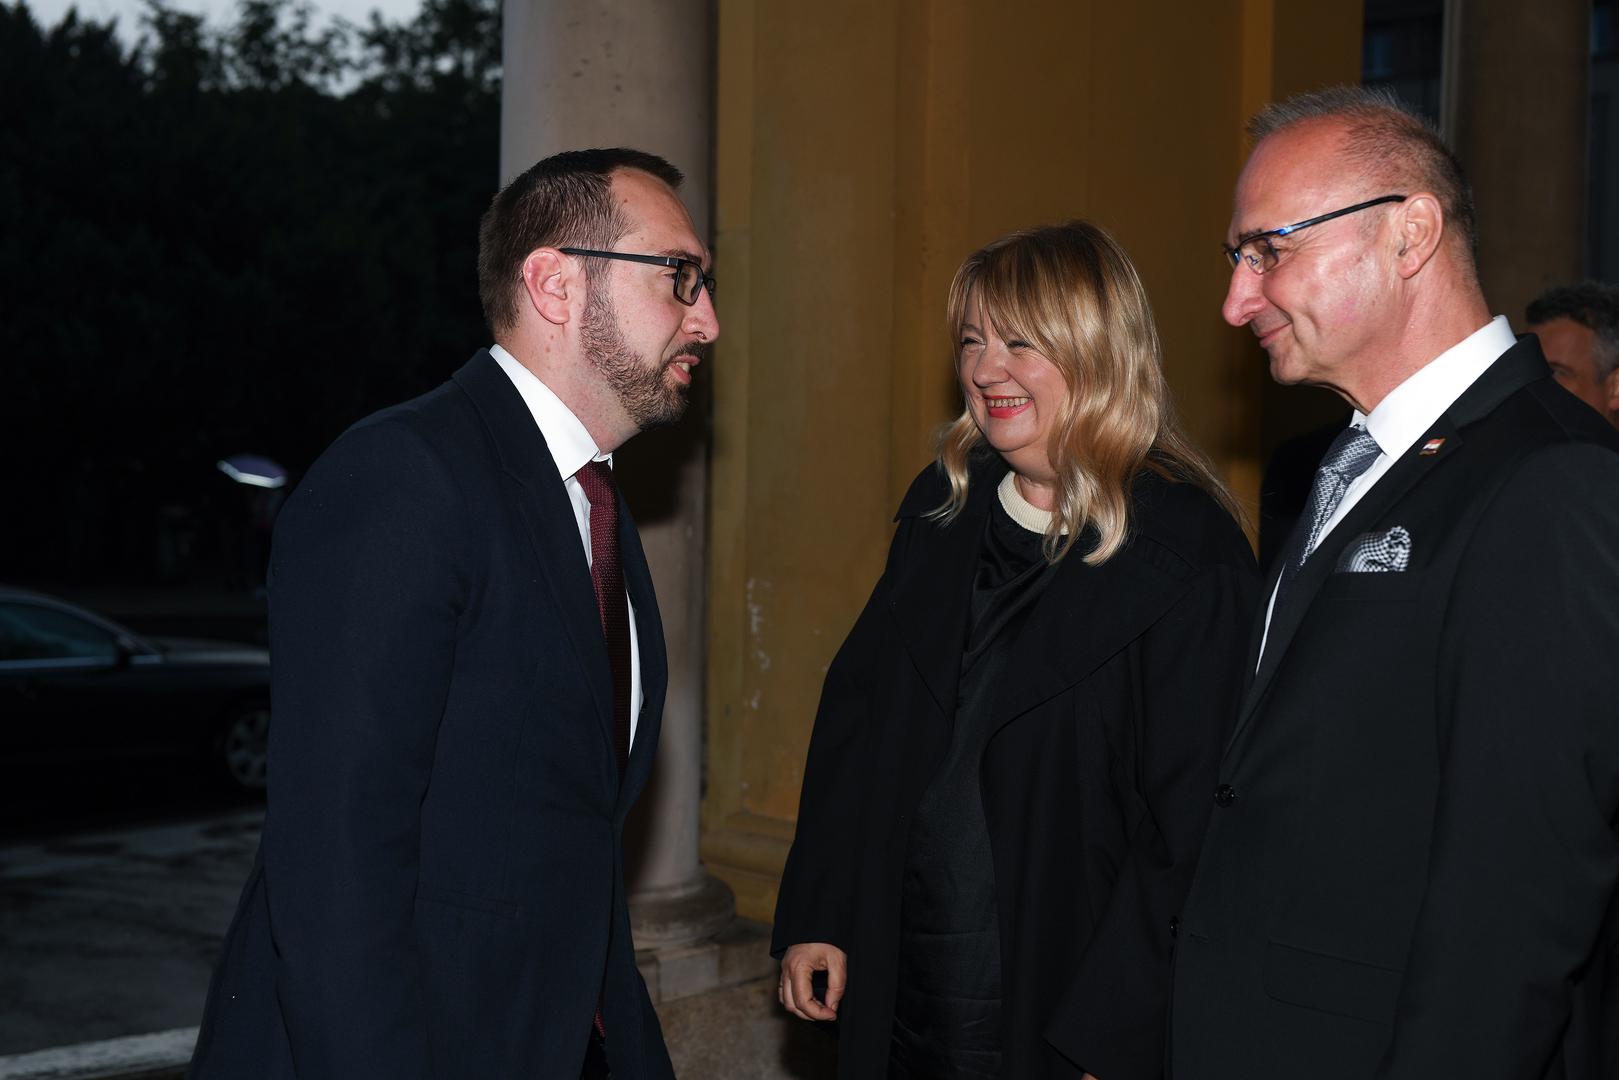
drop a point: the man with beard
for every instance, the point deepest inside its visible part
(468, 678)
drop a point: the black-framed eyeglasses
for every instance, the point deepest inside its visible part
(689, 277)
(1260, 255)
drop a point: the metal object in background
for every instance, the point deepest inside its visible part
(255, 470)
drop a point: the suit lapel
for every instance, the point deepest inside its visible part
(650, 647)
(1290, 611)
(542, 503)
(1513, 370)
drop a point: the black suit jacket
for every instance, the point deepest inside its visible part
(1411, 868)
(439, 890)
(1118, 696)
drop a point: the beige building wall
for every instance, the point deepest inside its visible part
(1520, 90)
(863, 149)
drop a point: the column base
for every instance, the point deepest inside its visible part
(739, 953)
(688, 940)
(683, 915)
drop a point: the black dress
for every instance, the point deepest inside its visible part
(947, 1016)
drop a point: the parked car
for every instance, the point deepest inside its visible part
(75, 685)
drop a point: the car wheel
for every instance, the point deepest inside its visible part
(242, 747)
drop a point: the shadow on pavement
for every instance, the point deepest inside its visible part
(48, 800)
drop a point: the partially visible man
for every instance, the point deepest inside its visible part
(468, 678)
(1412, 863)
(1578, 327)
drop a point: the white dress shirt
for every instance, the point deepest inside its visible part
(571, 447)
(1410, 409)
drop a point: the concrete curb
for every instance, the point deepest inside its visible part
(162, 1055)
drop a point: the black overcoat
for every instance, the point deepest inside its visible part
(1096, 785)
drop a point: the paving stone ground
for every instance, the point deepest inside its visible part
(114, 932)
(741, 1033)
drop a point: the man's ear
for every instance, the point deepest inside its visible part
(551, 284)
(1420, 224)
(1610, 388)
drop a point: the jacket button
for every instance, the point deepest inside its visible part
(1174, 926)
(1225, 795)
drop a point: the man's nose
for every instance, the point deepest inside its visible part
(702, 321)
(1243, 297)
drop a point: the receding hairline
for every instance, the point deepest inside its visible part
(1384, 141)
(1333, 164)
(1349, 103)
(623, 225)
(1341, 159)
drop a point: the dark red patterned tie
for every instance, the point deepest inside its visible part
(607, 574)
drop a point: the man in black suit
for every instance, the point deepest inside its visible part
(468, 678)
(1410, 871)
(1578, 328)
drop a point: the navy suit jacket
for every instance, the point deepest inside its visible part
(440, 890)
(1412, 869)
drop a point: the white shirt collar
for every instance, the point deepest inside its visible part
(1411, 408)
(570, 444)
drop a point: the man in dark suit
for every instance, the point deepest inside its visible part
(1578, 328)
(1410, 871)
(468, 678)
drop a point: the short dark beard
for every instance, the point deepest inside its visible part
(649, 399)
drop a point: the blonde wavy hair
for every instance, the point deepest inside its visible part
(1071, 292)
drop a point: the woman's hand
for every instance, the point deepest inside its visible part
(798, 964)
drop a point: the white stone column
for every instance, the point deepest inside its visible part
(639, 73)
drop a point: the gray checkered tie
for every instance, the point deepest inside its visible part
(1350, 454)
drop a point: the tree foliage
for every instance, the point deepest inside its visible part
(223, 239)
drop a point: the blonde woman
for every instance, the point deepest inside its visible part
(1016, 748)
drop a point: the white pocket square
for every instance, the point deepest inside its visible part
(1376, 552)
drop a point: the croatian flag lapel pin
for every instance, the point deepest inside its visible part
(1431, 447)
